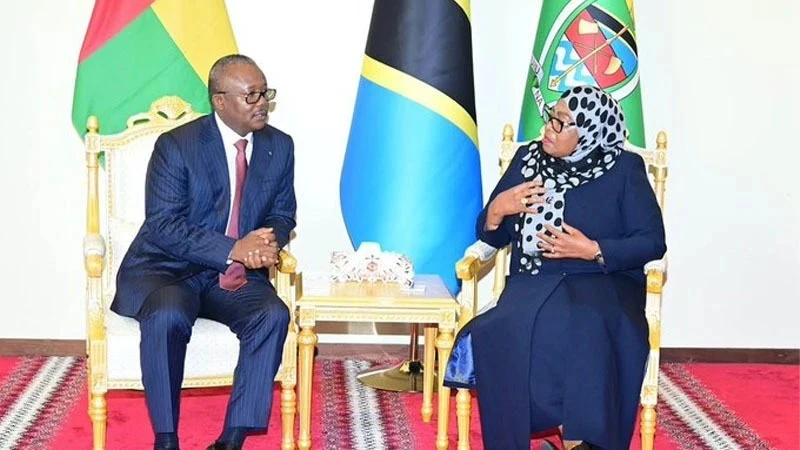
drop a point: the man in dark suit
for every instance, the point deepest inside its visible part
(219, 205)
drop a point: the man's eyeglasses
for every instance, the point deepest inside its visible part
(557, 124)
(251, 98)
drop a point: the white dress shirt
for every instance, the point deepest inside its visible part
(229, 139)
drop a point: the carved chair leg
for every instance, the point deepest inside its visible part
(648, 426)
(98, 413)
(288, 411)
(463, 406)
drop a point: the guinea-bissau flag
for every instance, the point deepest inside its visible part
(137, 51)
(411, 177)
(584, 42)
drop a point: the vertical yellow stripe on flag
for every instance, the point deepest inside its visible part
(201, 29)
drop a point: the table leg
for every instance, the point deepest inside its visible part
(444, 344)
(306, 342)
(428, 365)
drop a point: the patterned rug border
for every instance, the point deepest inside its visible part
(696, 418)
(37, 396)
(39, 392)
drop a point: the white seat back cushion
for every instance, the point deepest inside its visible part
(124, 179)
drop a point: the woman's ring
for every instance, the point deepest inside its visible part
(524, 201)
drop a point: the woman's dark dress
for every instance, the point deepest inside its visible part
(569, 345)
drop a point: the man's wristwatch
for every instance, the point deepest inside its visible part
(598, 258)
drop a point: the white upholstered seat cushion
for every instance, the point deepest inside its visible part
(212, 352)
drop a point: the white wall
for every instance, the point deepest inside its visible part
(719, 78)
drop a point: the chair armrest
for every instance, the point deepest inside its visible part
(656, 278)
(287, 263)
(656, 272)
(659, 265)
(476, 257)
(285, 281)
(94, 250)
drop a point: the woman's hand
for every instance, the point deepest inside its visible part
(514, 201)
(570, 243)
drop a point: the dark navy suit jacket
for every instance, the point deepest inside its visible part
(187, 203)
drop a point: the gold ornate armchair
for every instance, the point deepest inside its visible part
(480, 258)
(115, 208)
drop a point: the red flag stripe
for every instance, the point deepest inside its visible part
(109, 17)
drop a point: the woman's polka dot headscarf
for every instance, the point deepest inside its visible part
(601, 131)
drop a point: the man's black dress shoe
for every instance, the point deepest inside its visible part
(166, 448)
(223, 446)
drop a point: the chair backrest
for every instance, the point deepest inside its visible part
(122, 176)
(655, 159)
(655, 163)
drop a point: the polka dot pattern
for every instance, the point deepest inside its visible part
(600, 123)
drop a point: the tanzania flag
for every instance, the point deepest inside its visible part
(580, 42)
(411, 178)
(136, 51)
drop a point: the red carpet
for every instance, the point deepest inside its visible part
(43, 405)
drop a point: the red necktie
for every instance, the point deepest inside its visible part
(235, 277)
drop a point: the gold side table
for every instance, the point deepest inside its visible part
(428, 302)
